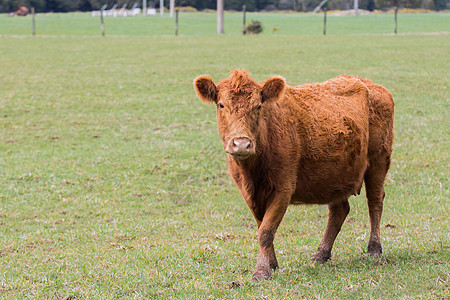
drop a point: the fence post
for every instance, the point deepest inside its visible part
(171, 7)
(220, 16)
(176, 22)
(244, 29)
(395, 19)
(33, 22)
(102, 26)
(325, 21)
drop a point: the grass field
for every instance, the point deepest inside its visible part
(204, 24)
(113, 180)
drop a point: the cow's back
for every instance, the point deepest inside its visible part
(333, 127)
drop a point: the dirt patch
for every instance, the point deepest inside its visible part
(234, 284)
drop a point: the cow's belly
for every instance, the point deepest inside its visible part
(323, 183)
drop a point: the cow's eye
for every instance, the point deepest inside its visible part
(221, 105)
(258, 107)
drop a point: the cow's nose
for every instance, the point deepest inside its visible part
(241, 144)
(241, 147)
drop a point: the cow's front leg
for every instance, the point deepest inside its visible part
(271, 220)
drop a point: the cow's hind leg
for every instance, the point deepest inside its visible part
(337, 212)
(374, 179)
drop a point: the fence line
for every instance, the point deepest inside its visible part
(326, 14)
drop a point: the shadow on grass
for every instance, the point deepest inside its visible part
(398, 259)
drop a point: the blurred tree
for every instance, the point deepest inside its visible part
(66, 5)
(12, 5)
(237, 5)
(7, 5)
(440, 4)
(370, 5)
(263, 4)
(340, 4)
(306, 5)
(39, 5)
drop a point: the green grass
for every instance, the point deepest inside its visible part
(204, 24)
(113, 180)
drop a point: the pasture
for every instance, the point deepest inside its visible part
(113, 180)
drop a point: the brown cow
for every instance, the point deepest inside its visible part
(22, 11)
(309, 144)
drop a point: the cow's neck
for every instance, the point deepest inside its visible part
(253, 178)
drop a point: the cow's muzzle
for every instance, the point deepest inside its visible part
(240, 148)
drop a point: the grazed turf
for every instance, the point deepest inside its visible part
(113, 180)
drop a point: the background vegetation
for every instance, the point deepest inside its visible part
(113, 180)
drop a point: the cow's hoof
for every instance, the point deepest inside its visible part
(374, 249)
(321, 257)
(261, 274)
(273, 263)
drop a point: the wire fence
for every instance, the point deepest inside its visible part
(204, 24)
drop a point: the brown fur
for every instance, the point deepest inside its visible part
(21, 11)
(310, 144)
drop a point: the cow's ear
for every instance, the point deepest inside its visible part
(272, 89)
(205, 89)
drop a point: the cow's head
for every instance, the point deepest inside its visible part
(241, 103)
